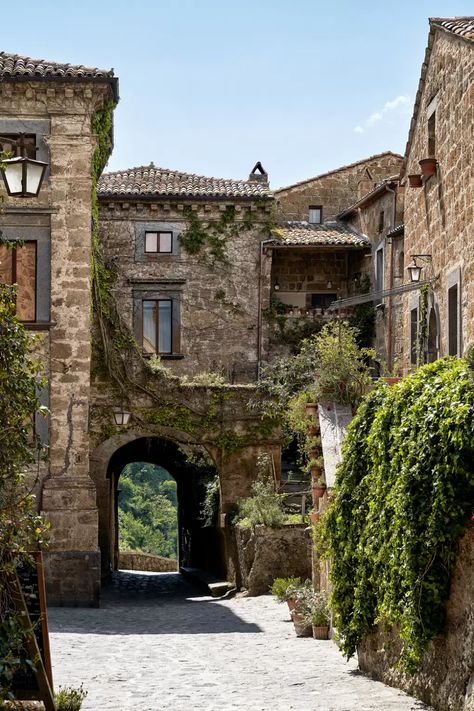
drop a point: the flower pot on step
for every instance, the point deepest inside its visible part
(428, 166)
(320, 632)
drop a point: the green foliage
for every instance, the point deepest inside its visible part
(148, 510)
(69, 698)
(405, 490)
(312, 605)
(264, 506)
(21, 529)
(283, 588)
(210, 506)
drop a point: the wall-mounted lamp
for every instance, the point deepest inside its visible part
(276, 285)
(329, 284)
(121, 416)
(22, 176)
(414, 269)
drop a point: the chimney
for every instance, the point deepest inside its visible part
(259, 174)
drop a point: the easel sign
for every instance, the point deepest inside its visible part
(28, 599)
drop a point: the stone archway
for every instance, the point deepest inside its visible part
(199, 546)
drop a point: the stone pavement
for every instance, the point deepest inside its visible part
(157, 645)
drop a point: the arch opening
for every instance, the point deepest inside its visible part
(143, 465)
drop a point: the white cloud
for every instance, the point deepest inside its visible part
(377, 116)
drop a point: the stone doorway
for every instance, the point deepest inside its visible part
(200, 541)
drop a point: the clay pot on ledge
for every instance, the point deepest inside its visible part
(392, 381)
(316, 473)
(314, 517)
(312, 408)
(302, 628)
(318, 492)
(320, 632)
(428, 166)
(415, 181)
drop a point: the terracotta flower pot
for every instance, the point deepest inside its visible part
(392, 381)
(320, 632)
(313, 430)
(302, 628)
(314, 516)
(318, 492)
(415, 181)
(291, 602)
(312, 408)
(428, 166)
(316, 473)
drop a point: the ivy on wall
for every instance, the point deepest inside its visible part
(404, 494)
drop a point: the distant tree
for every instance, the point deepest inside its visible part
(148, 510)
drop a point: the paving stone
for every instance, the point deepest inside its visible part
(157, 645)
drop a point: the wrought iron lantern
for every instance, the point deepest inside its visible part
(414, 269)
(121, 416)
(22, 175)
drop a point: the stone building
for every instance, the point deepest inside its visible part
(439, 214)
(55, 105)
(321, 198)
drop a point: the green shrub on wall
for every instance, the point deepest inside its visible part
(405, 492)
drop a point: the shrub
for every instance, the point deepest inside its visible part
(264, 506)
(69, 698)
(283, 588)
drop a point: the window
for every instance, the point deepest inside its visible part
(453, 319)
(7, 146)
(158, 242)
(379, 270)
(413, 335)
(381, 221)
(322, 301)
(157, 326)
(18, 266)
(315, 216)
(432, 135)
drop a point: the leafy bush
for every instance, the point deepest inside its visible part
(404, 494)
(284, 588)
(264, 505)
(69, 698)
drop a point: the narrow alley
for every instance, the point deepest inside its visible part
(157, 645)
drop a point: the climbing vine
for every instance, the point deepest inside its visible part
(404, 494)
(422, 333)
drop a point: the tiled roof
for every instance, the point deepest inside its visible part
(460, 26)
(150, 181)
(14, 67)
(338, 170)
(332, 232)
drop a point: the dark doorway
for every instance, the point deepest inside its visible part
(200, 543)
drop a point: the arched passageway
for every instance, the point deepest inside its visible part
(200, 542)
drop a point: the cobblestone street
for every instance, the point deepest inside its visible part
(157, 644)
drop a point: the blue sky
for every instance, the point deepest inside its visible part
(211, 86)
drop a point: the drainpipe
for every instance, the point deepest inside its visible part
(263, 243)
(391, 283)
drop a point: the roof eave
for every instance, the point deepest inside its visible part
(176, 197)
(367, 199)
(113, 81)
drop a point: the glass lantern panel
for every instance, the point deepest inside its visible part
(13, 172)
(34, 173)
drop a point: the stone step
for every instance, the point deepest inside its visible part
(207, 581)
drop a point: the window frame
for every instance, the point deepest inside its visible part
(157, 292)
(158, 234)
(315, 207)
(454, 282)
(14, 274)
(157, 302)
(141, 230)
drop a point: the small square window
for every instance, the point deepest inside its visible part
(315, 214)
(158, 242)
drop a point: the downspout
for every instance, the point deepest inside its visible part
(263, 243)
(391, 280)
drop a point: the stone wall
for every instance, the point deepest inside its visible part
(445, 679)
(264, 554)
(219, 304)
(439, 216)
(338, 189)
(59, 114)
(133, 560)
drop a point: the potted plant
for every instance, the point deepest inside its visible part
(318, 489)
(312, 409)
(415, 181)
(428, 166)
(284, 589)
(313, 516)
(301, 612)
(319, 615)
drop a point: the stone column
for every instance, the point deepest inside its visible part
(69, 497)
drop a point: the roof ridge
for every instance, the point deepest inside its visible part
(337, 170)
(53, 63)
(160, 169)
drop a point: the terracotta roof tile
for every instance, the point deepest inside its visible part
(332, 232)
(150, 181)
(460, 26)
(13, 65)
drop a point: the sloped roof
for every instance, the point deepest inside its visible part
(459, 27)
(330, 233)
(14, 67)
(368, 197)
(338, 170)
(148, 181)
